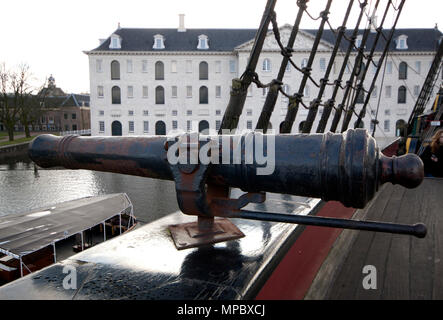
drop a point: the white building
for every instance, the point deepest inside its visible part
(149, 81)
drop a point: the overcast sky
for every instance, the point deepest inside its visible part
(51, 36)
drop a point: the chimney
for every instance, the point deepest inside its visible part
(181, 25)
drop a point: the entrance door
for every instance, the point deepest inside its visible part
(160, 128)
(116, 128)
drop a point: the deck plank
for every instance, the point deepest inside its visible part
(407, 267)
(351, 272)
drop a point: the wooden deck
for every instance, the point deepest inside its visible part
(406, 267)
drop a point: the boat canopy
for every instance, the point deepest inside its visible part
(26, 233)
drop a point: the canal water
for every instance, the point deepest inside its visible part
(23, 189)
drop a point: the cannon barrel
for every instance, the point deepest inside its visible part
(346, 167)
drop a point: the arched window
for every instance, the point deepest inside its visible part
(159, 71)
(402, 94)
(159, 95)
(115, 70)
(266, 65)
(362, 125)
(403, 71)
(160, 128)
(301, 125)
(116, 128)
(116, 95)
(361, 97)
(203, 127)
(203, 95)
(400, 127)
(203, 70)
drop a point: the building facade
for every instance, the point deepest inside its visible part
(152, 81)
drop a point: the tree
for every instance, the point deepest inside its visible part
(9, 100)
(18, 103)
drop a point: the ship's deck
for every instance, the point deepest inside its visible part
(406, 267)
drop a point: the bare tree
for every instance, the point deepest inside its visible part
(18, 103)
(8, 100)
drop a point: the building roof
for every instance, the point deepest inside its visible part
(226, 40)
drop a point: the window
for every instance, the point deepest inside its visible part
(189, 112)
(115, 42)
(217, 124)
(418, 67)
(144, 66)
(116, 95)
(217, 112)
(65, 116)
(307, 92)
(189, 125)
(130, 92)
(387, 125)
(249, 125)
(265, 92)
(145, 92)
(266, 65)
(146, 113)
(249, 112)
(145, 126)
(304, 63)
(232, 66)
(203, 70)
(218, 91)
(361, 97)
(100, 113)
(74, 127)
(217, 66)
(159, 95)
(131, 126)
(99, 65)
(101, 126)
(174, 66)
(402, 94)
(174, 91)
(402, 42)
(188, 91)
(416, 91)
(358, 41)
(388, 91)
(403, 71)
(188, 66)
(174, 113)
(322, 64)
(389, 67)
(159, 71)
(285, 89)
(288, 67)
(374, 92)
(159, 42)
(100, 91)
(115, 70)
(129, 66)
(387, 112)
(130, 112)
(174, 124)
(203, 42)
(250, 88)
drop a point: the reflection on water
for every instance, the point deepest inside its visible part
(23, 188)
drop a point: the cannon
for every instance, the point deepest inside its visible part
(346, 167)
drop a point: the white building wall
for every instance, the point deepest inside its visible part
(389, 109)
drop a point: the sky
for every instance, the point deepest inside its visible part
(50, 36)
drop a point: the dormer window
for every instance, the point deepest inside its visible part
(203, 42)
(402, 42)
(116, 42)
(159, 42)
